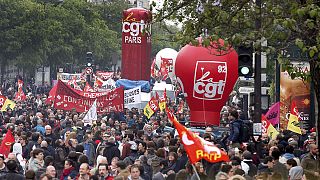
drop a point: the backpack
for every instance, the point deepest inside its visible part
(245, 131)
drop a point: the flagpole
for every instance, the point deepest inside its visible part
(195, 171)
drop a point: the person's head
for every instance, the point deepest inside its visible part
(208, 130)
(84, 169)
(122, 165)
(268, 161)
(30, 174)
(103, 169)
(291, 163)
(222, 176)
(142, 146)
(51, 170)
(276, 154)
(313, 149)
(68, 163)
(289, 149)
(233, 114)
(172, 156)
(227, 168)
(2, 158)
(134, 172)
(11, 165)
(37, 154)
(12, 156)
(45, 177)
(48, 129)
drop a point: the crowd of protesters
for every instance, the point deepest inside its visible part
(55, 144)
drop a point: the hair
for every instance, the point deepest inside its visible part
(221, 173)
(70, 162)
(276, 154)
(102, 164)
(237, 177)
(11, 165)
(161, 153)
(45, 175)
(267, 159)
(289, 149)
(234, 113)
(30, 174)
(275, 176)
(83, 159)
(36, 151)
(48, 160)
(122, 165)
(292, 162)
(226, 168)
(134, 166)
(174, 155)
(182, 175)
(239, 172)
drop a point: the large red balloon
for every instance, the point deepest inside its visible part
(207, 76)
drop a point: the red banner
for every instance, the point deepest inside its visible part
(136, 44)
(67, 99)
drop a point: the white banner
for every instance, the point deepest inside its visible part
(65, 77)
(132, 98)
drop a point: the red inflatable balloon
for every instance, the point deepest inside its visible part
(207, 76)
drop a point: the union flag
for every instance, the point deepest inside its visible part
(196, 147)
(162, 101)
(151, 107)
(6, 143)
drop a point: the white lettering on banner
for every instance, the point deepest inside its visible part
(209, 80)
(132, 97)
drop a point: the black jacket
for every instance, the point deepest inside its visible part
(111, 151)
(12, 175)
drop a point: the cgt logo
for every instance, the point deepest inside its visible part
(133, 29)
(209, 80)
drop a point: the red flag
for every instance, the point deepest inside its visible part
(73, 83)
(294, 109)
(88, 88)
(157, 96)
(2, 100)
(196, 147)
(6, 143)
(153, 69)
(98, 82)
(52, 94)
(180, 107)
(20, 96)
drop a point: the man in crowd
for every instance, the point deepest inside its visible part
(310, 163)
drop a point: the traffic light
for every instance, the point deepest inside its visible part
(89, 59)
(245, 61)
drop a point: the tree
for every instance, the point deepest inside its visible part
(42, 32)
(283, 24)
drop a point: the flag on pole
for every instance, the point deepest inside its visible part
(268, 128)
(151, 107)
(273, 115)
(91, 114)
(88, 88)
(162, 101)
(52, 94)
(2, 100)
(8, 104)
(20, 96)
(196, 147)
(6, 143)
(294, 124)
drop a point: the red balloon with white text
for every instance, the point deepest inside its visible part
(207, 76)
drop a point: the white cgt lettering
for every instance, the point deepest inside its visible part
(209, 89)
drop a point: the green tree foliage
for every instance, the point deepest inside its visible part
(283, 23)
(45, 32)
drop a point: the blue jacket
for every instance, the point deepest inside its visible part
(235, 131)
